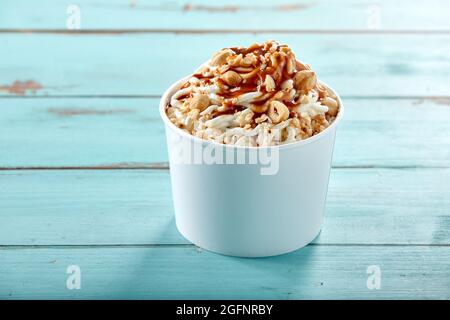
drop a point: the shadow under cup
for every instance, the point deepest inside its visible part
(248, 201)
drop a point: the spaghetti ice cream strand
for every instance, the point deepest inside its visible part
(259, 95)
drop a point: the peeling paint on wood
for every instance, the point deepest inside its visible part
(442, 100)
(22, 87)
(234, 8)
(70, 112)
(436, 100)
(192, 7)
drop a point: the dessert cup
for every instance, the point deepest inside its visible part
(248, 208)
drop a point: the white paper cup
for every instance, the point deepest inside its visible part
(244, 209)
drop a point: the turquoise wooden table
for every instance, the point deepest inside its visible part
(85, 200)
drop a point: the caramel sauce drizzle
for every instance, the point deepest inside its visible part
(254, 83)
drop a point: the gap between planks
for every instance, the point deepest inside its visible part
(165, 166)
(225, 31)
(190, 245)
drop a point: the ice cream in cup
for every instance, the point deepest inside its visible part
(250, 137)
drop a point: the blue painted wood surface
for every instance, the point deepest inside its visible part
(146, 64)
(180, 272)
(253, 15)
(127, 132)
(61, 207)
(83, 166)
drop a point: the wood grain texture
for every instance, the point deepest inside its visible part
(85, 101)
(364, 206)
(316, 272)
(128, 133)
(146, 64)
(252, 15)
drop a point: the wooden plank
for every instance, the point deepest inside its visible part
(234, 15)
(315, 272)
(146, 64)
(128, 133)
(79, 132)
(60, 207)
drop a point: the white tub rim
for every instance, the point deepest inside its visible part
(169, 92)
